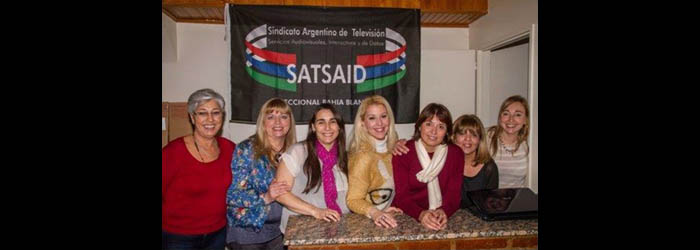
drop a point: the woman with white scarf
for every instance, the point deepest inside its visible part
(428, 179)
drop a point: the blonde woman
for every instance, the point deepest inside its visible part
(371, 182)
(253, 214)
(480, 171)
(508, 142)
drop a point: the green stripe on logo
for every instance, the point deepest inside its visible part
(278, 83)
(378, 83)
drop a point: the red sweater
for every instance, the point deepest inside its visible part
(194, 193)
(412, 195)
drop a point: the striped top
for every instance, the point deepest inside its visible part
(512, 168)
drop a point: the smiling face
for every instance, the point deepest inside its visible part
(207, 119)
(376, 121)
(276, 124)
(326, 127)
(432, 132)
(513, 118)
(468, 142)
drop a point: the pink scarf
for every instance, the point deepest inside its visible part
(328, 158)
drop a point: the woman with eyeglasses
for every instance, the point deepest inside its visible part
(429, 177)
(253, 214)
(371, 180)
(195, 175)
(316, 168)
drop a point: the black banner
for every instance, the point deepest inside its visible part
(313, 55)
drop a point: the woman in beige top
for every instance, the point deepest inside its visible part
(508, 142)
(370, 180)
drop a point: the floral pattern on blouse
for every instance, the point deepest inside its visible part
(251, 179)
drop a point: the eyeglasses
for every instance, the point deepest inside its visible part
(204, 115)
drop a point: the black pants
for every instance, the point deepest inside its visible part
(274, 244)
(215, 240)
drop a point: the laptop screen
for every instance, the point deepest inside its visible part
(505, 200)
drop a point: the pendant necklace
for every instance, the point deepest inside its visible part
(278, 154)
(503, 145)
(197, 147)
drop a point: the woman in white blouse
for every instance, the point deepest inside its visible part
(317, 169)
(508, 142)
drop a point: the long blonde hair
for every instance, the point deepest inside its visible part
(497, 130)
(473, 124)
(360, 140)
(261, 145)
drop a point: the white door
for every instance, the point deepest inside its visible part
(508, 76)
(502, 73)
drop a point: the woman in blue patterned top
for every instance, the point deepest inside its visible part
(253, 214)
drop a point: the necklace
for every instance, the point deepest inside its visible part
(197, 147)
(277, 152)
(277, 156)
(503, 146)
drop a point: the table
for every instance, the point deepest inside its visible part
(463, 231)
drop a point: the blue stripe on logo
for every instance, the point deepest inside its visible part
(269, 68)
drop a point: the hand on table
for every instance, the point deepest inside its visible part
(328, 215)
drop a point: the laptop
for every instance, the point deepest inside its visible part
(503, 204)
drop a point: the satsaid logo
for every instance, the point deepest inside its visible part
(280, 70)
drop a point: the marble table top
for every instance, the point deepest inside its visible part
(355, 228)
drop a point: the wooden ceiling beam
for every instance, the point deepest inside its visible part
(464, 6)
(201, 20)
(440, 6)
(444, 25)
(194, 3)
(404, 4)
(472, 8)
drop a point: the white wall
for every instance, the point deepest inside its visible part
(168, 39)
(505, 19)
(447, 72)
(201, 63)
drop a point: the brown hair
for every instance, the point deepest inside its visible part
(472, 124)
(442, 113)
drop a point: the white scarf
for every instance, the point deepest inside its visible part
(380, 145)
(431, 168)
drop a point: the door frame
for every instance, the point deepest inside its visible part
(483, 59)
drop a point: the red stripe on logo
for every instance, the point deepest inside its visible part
(374, 59)
(279, 58)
